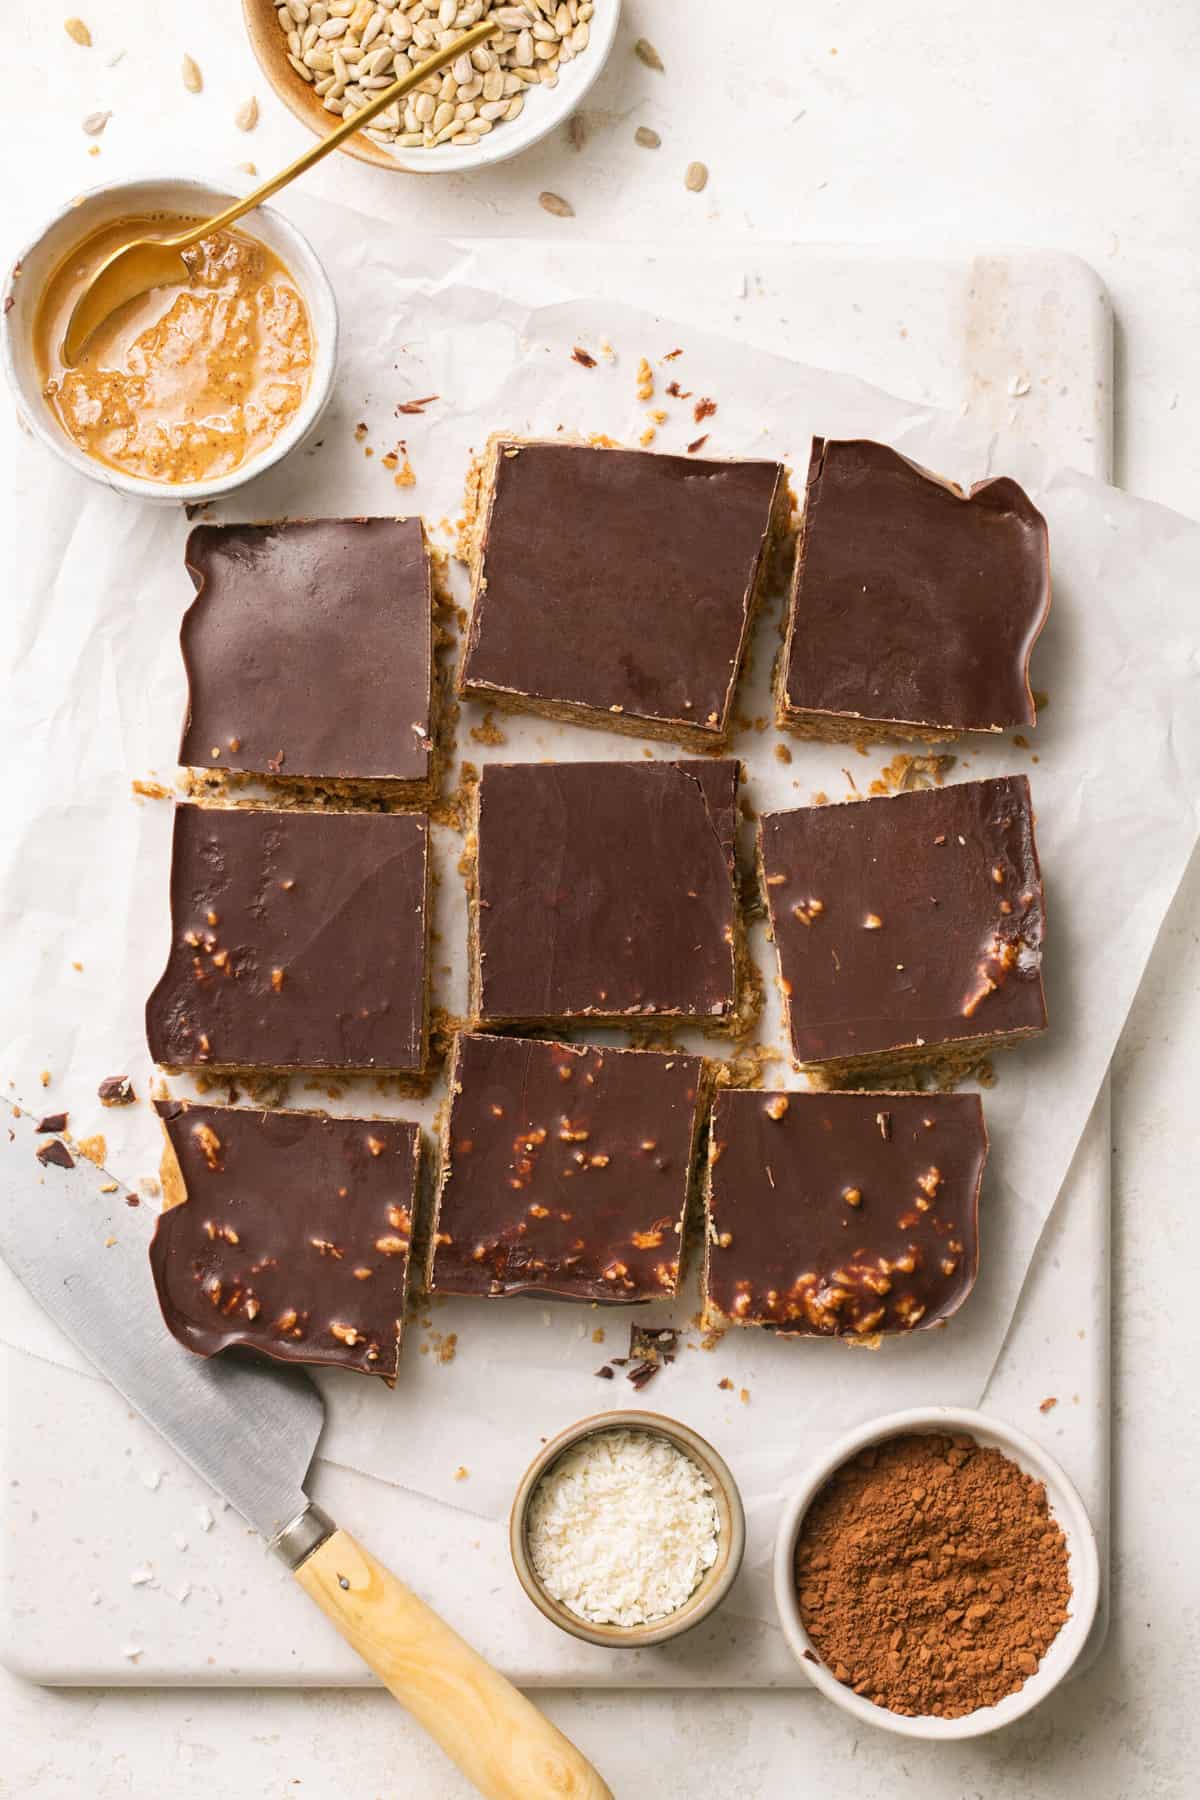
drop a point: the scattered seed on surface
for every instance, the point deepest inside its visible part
(76, 29)
(246, 116)
(696, 179)
(248, 168)
(95, 122)
(649, 140)
(193, 80)
(554, 203)
(646, 53)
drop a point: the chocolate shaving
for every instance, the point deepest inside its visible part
(116, 1090)
(52, 1122)
(605, 1373)
(704, 409)
(697, 444)
(417, 406)
(56, 1152)
(678, 393)
(641, 1373)
(653, 1343)
(671, 355)
(583, 358)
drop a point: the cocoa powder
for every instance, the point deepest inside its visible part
(931, 1575)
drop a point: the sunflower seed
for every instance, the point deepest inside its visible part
(76, 29)
(95, 122)
(351, 49)
(246, 116)
(646, 53)
(193, 80)
(649, 140)
(554, 203)
(696, 178)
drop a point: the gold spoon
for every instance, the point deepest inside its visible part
(152, 262)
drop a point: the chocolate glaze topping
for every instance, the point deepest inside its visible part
(294, 1238)
(607, 888)
(567, 1171)
(908, 921)
(843, 1214)
(297, 941)
(912, 601)
(308, 649)
(619, 580)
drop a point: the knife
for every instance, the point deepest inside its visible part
(250, 1429)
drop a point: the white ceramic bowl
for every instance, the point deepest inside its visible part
(545, 107)
(1068, 1511)
(26, 280)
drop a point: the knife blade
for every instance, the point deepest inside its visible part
(250, 1429)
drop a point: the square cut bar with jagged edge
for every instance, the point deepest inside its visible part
(565, 1169)
(914, 606)
(842, 1215)
(908, 929)
(298, 941)
(309, 657)
(605, 893)
(616, 588)
(286, 1233)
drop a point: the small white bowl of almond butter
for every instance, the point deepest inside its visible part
(142, 412)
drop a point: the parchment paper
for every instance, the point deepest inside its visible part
(96, 591)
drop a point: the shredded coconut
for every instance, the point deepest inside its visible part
(622, 1528)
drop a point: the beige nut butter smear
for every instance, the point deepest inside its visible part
(187, 382)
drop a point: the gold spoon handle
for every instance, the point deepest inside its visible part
(461, 46)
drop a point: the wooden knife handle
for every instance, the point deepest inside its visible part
(495, 1735)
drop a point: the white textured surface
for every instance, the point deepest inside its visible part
(1062, 127)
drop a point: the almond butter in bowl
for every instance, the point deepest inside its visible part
(198, 386)
(186, 383)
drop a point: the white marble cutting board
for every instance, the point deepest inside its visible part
(90, 1495)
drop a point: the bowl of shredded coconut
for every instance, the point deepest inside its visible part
(627, 1529)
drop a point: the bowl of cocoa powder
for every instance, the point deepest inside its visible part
(937, 1573)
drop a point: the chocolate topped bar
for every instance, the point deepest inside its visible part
(615, 588)
(908, 929)
(298, 941)
(309, 655)
(606, 891)
(842, 1215)
(286, 1233)
(915, 607)
(565, 1170)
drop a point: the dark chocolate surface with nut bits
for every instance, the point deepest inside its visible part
(286, 1233)
(565, 1170)
(842, 1215)
(606, 891)
(910, 925)
(617, 586)
(308, 650)
(298, 940)
(911, 601)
